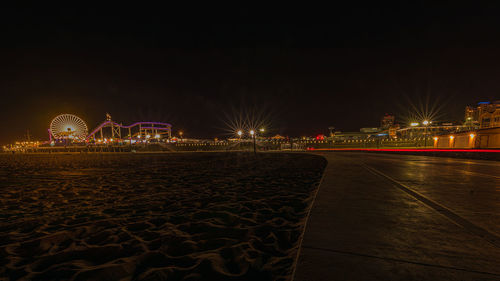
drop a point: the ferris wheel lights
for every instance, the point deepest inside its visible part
(68, 126)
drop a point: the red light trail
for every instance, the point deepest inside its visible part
(406, 149)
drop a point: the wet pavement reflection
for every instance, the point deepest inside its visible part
(403, 217)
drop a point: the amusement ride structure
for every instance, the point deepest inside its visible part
(137, 131)
(71, 127)
(68, 126)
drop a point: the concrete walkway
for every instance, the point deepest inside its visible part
(364, 225)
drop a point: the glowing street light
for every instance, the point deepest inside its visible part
(425, 123)
(157, 136)
(240, 133)
(148, 136)
(252, 133)
(414, 124)
(262, 130)
(471, 141)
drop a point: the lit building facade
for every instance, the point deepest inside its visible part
(489, 115)
(483, 128)
(484, 115)
(430, 130)
(387, 121)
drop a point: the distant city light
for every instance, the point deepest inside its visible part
(262, 130)
(252, 132)
(240, 133)
(435, 138)
(425, 122)
(413, 124)
(452, 137)
(148, 136)
(472, 136)
(157, 136)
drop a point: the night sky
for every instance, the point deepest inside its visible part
(144, 65)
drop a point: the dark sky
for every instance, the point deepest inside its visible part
(144, 65)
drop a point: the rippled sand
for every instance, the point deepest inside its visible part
(186, 216)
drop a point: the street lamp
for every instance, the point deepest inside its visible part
(425, 122)
(252, 133)
(240, 133)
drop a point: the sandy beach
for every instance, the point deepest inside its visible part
(179, 216)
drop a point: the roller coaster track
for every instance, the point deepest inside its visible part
(143, 125)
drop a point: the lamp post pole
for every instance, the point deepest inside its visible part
(425, 137)
(254, 146)
(426, 123)
(252, 132)
(239, 134)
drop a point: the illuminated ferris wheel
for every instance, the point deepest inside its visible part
(68, 126)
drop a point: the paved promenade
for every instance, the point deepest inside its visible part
(400, 217)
